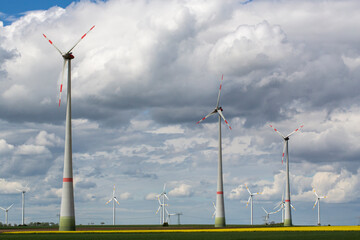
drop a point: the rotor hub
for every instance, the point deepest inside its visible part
(68, 56)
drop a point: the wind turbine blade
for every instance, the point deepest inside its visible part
(10, 207)
(299, 128)
(3, 208)
(214, 205)
(278, 205)
(62, 80)
(247, 204)
(116, 201)
(315, 193)
(315, 203)
(247, 189)
(164, 187)
(166, 196)
(219, 111)
(265, 210)
(212, 113)
(167, 211)
(292, 207)
(53, 44)
(218, 100)
(277, 131)
(158, 210)
(109, 201)
(80, 39)
(283, 153)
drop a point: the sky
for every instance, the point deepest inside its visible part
(145, 75)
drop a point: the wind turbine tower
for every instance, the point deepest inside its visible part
(23, 191)
(251, 199)
(114, 206)
(6, 213)
(67, 211)
(220, 208)
(287, 218)
(318, 202)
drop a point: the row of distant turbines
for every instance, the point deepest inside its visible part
(67, 212)
(280, 206)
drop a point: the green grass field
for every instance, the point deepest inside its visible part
(188, 236)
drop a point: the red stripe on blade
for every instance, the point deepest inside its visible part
(83, 36)
(61, 88)
(67, 179)
(50, 41)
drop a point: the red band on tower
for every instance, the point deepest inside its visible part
(67, 179)
(219, 192)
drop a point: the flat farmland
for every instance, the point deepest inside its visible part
(187, 232)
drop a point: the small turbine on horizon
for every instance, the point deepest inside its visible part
(287, 218)
(67, 210)
(251, 199)
(23, 191)
(220, 209)
(114, 206)
(162, 205)
(6, 213)
(318, 202)
(268, 214)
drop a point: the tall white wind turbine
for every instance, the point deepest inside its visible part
(114, 205)
(220, 208)
(67, 211)
(287, 218)
(162, 205)
(251, 200)
(318, 202)
(6, 213)
(23, 191)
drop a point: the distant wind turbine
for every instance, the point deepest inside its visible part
(114, 206)
(6, 213)
(251, 199)
(220, 209)
(162, 205)
(67, 211)
(268, 214)
(318, 202)
(23, 191)
(287, 219)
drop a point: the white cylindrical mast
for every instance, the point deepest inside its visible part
(220, 211)
(23, 208)
(251, 210)
(319, 211)
(287, 219)
(67, 211)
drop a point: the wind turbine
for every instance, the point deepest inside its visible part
(251, 198)
(318, 201)
(6, 213)
(114, 200)
(23, 191)
(67, 211)
(162, 205)
(220, 209)
(287, 218)
(268, 214)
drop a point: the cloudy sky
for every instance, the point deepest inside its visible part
(147, 73)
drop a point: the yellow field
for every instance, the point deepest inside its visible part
(268, 229)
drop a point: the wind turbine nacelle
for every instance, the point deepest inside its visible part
(68, 56)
